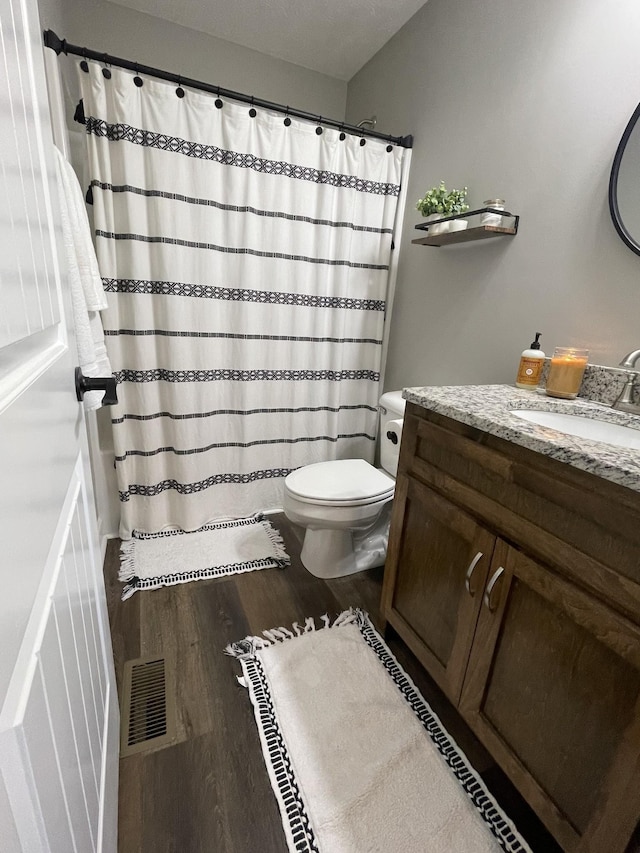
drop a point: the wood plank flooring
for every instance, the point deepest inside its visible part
(209, 792)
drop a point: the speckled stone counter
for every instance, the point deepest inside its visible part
(488, 408)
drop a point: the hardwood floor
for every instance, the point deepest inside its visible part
(209, 792)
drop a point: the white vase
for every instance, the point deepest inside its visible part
(437, 227)
(457, 224)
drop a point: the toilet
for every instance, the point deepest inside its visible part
(345, 504)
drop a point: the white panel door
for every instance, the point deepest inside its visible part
(58, 705)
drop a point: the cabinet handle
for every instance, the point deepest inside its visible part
(470, 571)
(490, 586)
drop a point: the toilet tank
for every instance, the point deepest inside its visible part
(391, 414)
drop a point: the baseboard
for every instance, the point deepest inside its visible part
(104, 539)
(272, 511)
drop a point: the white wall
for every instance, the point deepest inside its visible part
(109, 27)
(523, 101)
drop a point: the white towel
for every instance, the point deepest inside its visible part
(87, 293)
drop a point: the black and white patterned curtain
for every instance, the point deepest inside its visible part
(246, 264)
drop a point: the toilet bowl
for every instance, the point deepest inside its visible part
(345, 504)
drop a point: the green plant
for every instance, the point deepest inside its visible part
(433, 201)
(456, 203)
(440, 200)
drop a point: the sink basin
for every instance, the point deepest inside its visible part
(591, 428)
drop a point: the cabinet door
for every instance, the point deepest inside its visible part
(553, 691)
(438, 562)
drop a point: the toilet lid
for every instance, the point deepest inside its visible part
(344, 482)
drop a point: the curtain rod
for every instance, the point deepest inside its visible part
(59, 45)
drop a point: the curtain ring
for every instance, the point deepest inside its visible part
(84, 65)
(180, 90)
(138, 79)
(287, 120)
(252, 111)
(319, 128)
(218, 103)
(106, 72)
(343, 135)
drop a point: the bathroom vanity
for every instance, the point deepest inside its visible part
(513, 574)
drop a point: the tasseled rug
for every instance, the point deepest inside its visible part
(152, 560)
(357, 759)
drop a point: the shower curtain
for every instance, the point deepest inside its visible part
(245, 259)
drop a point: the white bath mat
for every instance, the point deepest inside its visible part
(357, 759)
(152, 560)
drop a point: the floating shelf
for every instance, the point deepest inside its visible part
(475, 232)
(482, 232)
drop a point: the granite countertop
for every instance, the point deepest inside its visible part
(488, 408)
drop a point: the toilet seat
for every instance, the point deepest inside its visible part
(342, 482)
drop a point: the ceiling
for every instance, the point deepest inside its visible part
(334, 37)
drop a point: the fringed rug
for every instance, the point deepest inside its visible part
(357, 759)
(152, 560)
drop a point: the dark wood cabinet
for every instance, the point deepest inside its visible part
(528, 621)
(441, 572)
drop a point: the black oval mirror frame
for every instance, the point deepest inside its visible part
(620, 227)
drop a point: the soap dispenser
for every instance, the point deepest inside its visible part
(530, 368)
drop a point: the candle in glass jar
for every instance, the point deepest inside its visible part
(566, 371)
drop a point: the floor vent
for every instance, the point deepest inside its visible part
(148, 705)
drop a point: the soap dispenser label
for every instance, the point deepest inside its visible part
(529, 371)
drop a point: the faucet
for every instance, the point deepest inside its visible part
(626, 400)
(630, 359)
